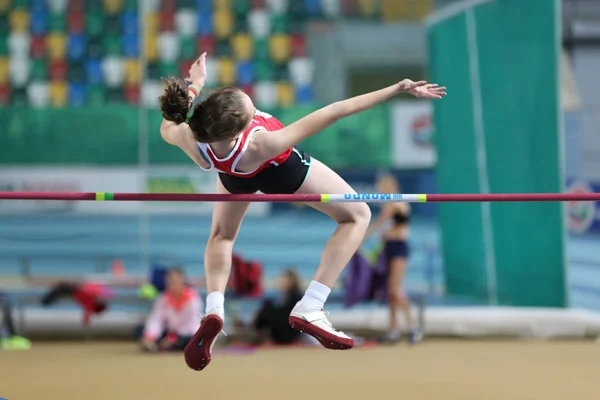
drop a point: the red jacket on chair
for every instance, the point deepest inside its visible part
(247, 277)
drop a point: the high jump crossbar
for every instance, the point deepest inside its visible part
(300, 198)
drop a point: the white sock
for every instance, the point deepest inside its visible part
(315, 296)
(214, 299)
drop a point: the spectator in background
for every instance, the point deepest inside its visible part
(175, 316)
(396, 249)
(272, 320)
(92, 297)
(9, 340)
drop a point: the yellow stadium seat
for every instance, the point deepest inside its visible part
(4, 71)
(152, 23)
(243, 46)
(285, 94)
(4, 6)
(226, 72)
(19, 20)
(222, 4)
(56, 45)
(133, 71)
(422, 8)
(151, 47)
(224, 22)
(280, 47)
(112, 7)
(403, 10)
(395, 10)
(368, 8)
(58, 94)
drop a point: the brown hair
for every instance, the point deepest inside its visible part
(292, 275)
(222, 116)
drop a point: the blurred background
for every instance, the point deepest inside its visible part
(79, 82)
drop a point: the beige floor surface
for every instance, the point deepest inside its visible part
(444, 369)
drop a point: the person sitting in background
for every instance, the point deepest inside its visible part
(272, 319)
(9, 340)
(92, 297)
(175, 316)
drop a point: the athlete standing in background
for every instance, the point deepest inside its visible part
(396, 251)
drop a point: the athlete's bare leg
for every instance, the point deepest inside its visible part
(227, 219)
(226, 222)
(353, 220)
(397, 297)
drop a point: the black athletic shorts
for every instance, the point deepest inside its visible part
(285, 178)
(396, 248)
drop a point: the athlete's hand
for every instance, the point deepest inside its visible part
(198, 71)
(422, 89)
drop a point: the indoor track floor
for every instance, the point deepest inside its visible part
(438, 369)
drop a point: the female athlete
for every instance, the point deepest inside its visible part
(252, 151)
(395, 247)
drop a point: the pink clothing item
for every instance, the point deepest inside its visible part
(179, 302)
(180, 316)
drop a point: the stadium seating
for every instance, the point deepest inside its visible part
(90, 52)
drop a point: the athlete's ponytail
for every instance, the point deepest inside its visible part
(222, 115)
(175, 101)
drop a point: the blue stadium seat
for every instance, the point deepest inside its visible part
(245, 72)
(304, 94)
(76, 46)
(131, 46)
(204, 25)
(77, 94)
(39, 22)
(129, 22)
(37, 5)
(93, 69)
(204, 6)
(312, 7)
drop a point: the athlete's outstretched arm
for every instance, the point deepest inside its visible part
(266, 145)
(177, 102)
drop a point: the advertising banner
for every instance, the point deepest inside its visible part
(583, 216)
(412, 134)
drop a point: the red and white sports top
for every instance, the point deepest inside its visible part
(227, 165)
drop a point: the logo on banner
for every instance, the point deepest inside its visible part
(422, 131)
(581, 213)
